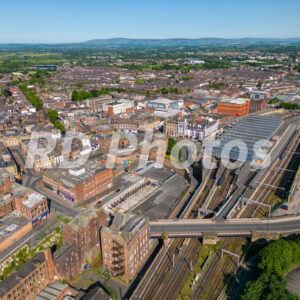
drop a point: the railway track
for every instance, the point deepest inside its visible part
(221, 194)
(165, 283)
(217, 269)
(264, 193)
(168, 280)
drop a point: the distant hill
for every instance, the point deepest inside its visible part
(173, 42)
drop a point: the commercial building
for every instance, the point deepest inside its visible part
(30, 279)
(136, 123)
(96, 104)
(125, 245)
(30, 204)
(6, 161)
(164, 104)
(12, 229)
(83, 232)
(119, 107)
(191, 127)
(6, 181)
(78, 184)
(197, 129)
(257, 104)
(258, 95)
(171, 127)
(33, 206)
(234, 107)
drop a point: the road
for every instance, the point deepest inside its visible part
(196, 227)
(31, 180)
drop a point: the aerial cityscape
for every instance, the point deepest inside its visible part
(150, 151)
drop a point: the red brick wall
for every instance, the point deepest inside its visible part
(236, 110)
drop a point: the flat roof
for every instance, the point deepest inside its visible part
(249, 130)
(33, 199)
(72, 177)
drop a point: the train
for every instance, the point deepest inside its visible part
(220, 181)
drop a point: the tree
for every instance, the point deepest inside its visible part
(277, 257)
(148, 95)
(139, 81)
(52, 114)
(268, 286)
(259, 84)
(171, 144)
(59, 126)
(164, 91)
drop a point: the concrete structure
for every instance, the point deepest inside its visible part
(96, 104)
(125, 245)
(258, 95)
(234, 107)
(79, 184)
(232, 227)
(119, 107)
(164, 104)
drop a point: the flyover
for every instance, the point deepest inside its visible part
(230, 227)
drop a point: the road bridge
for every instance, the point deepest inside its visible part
(230, 227)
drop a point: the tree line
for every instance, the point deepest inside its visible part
(275, 260)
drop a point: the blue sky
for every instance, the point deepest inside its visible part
(72, 20)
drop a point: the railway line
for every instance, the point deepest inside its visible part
(168, 280)
(264, 193)
(218, 268)
(213, 272)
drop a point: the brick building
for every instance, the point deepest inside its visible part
(78, 184)
(125, 245)
(12, 229)
(6, 205)
(234, 107)
(83, 232)
(257, 104)
(28, 281)
(33, 206)
(67, 262)
(6, 181)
